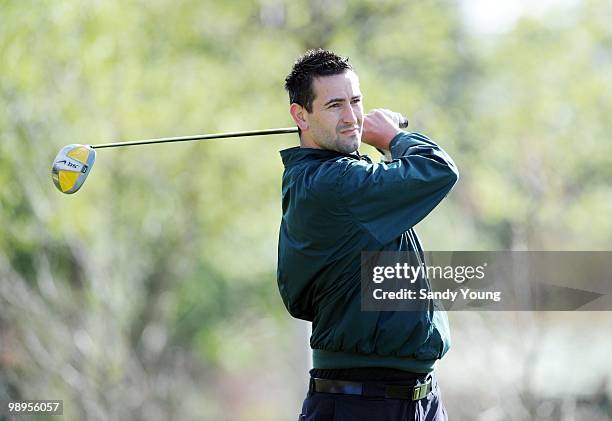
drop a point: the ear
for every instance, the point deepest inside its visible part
(298, 113)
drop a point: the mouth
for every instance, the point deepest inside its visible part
(351, 131)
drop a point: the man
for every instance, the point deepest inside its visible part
(367, 365)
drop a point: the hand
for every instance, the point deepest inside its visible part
(380, 126)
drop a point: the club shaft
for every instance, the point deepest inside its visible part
(198, 137)
(284, 130)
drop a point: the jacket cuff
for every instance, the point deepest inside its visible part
(401, 143)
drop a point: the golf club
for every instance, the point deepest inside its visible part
(74, 162)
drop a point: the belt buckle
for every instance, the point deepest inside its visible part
(421, 391)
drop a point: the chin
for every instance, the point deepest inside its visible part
(349, 145)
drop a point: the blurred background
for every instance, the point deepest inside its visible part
(151, 293)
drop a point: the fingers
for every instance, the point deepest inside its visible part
(380, 127)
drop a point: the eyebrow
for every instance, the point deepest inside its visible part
(331, 101)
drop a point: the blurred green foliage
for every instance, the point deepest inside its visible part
(151, 293)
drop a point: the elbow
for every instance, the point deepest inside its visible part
(447, 171)
(450, 177)
(454, 173)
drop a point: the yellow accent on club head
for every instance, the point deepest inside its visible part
(80, 153)
(71, 167)
(67, 180)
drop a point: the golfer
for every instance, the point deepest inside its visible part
(367, 365)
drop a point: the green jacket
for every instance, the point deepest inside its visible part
(334, 207)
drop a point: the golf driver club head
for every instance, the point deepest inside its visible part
(71, 167)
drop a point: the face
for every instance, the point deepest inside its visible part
(336, 119)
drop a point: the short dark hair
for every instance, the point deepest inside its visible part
(312, 64)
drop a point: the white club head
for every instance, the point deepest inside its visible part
(71, 167)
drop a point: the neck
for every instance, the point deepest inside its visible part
(307, 142)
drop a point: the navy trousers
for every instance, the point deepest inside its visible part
(337, 407)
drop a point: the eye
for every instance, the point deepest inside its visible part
(334, 105)
(356, 100)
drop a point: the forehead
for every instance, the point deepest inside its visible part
(343, 85)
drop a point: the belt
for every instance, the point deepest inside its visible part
(413, 393)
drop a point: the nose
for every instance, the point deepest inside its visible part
(349, 116)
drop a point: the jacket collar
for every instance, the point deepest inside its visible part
(293, 156)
